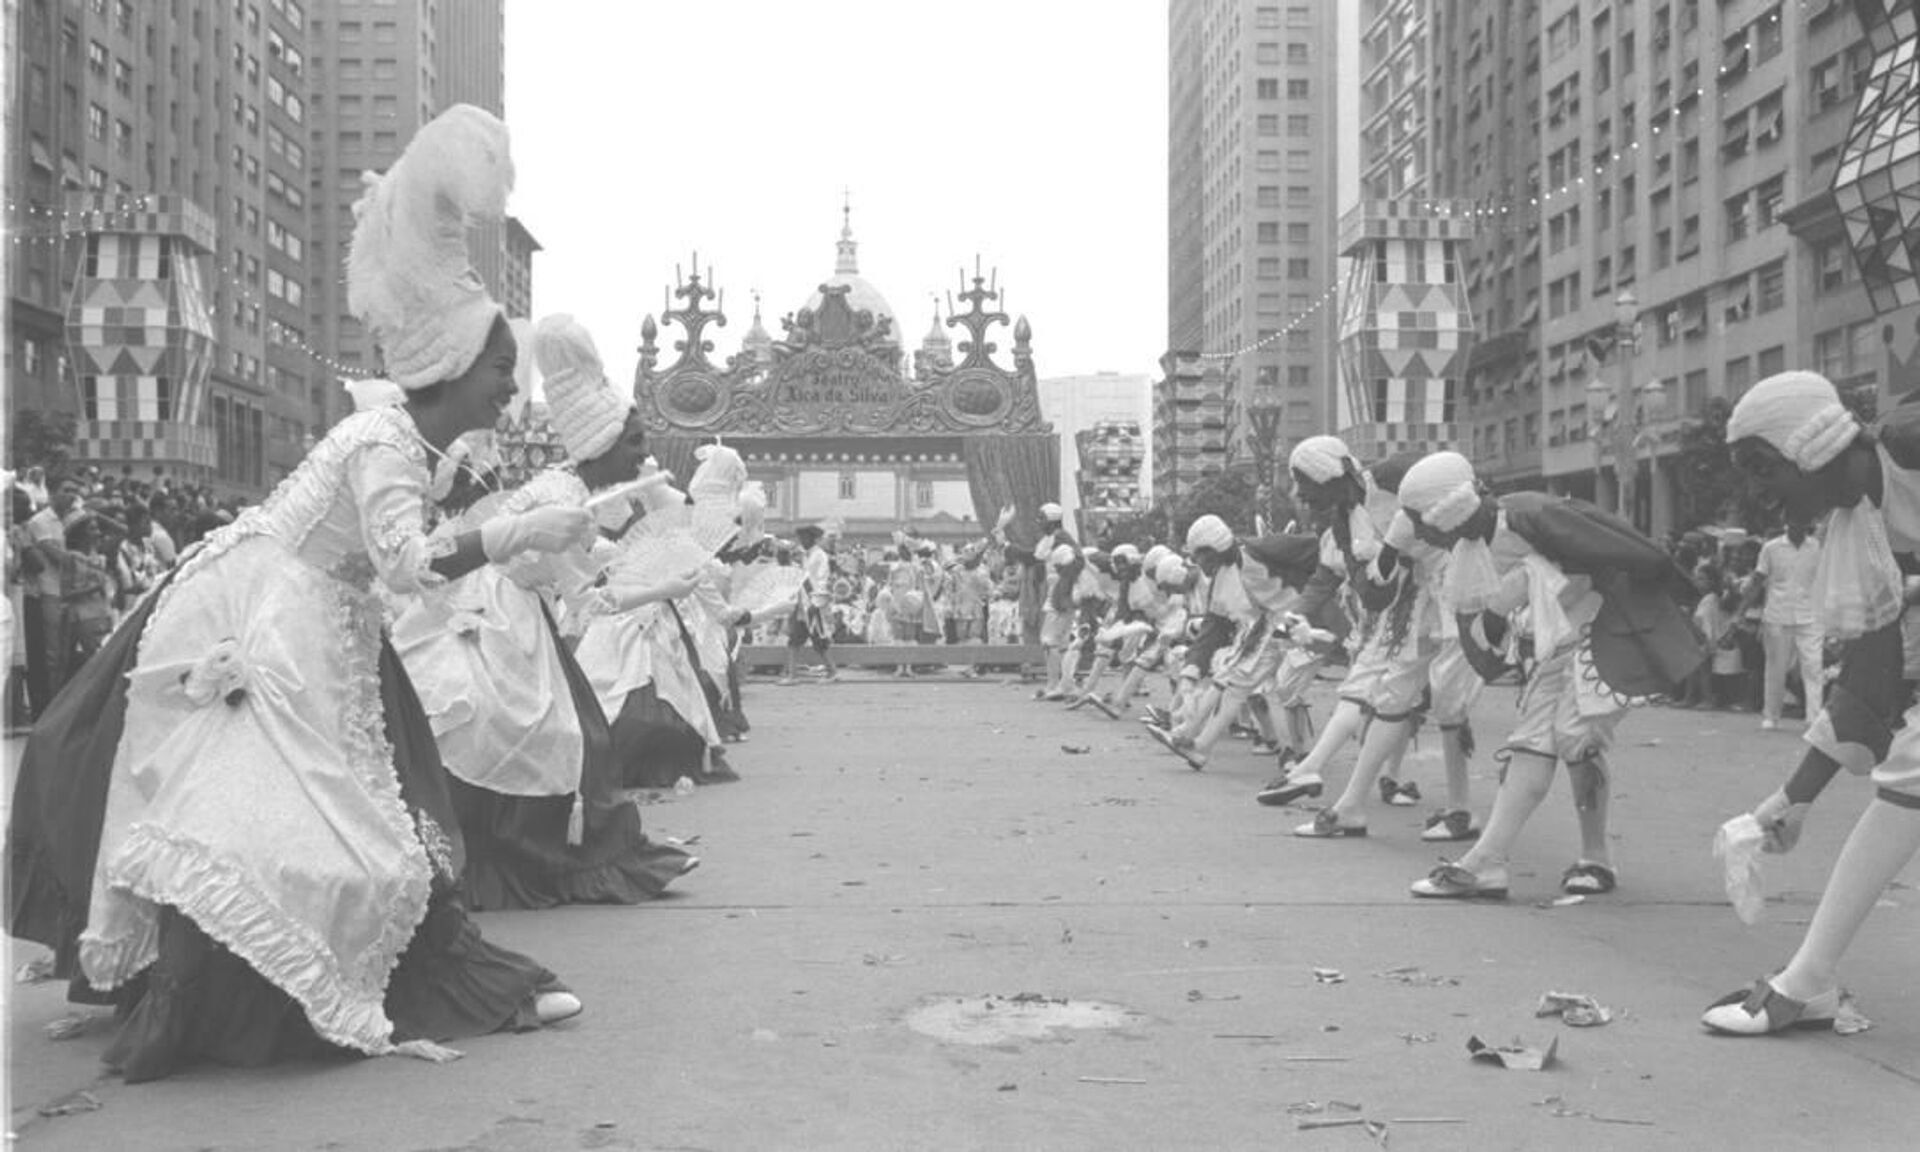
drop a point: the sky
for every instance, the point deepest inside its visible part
(1031, 133)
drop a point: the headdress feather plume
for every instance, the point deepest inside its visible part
(410, 279)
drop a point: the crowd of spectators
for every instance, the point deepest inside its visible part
(1746, 608)
(82, 547)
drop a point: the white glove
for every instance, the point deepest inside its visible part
(1782, 819)
(1298, 630)
(625, 599)
(553, 528)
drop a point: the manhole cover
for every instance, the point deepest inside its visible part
(998, 1019)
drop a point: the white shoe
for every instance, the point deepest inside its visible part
(1769, 725)
(553, 1007)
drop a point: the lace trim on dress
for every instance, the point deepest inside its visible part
(343, 1001)
(438, 847)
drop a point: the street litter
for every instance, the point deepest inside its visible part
(1195, 996)
(1373, 1128)
(1562, 1109)
(1575, 1009)
(69, 1026)
(34, 971)
(1315, 1107)
(71, 1104)
(1419, 1037)
(1561, 901)
(1515, 1057)
(1329, 976)
(1413, 974)
(1109, 1080)
(1849, 1021)
(1076, 749)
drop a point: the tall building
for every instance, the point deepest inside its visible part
(1251, 220)
(1405, 324)
(1677, 137)
(1190, 404)
(156, 286)
(382, 69)
(1109, 402)
(514, 288)
(1485, 147)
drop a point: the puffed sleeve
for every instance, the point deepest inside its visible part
(390, 493)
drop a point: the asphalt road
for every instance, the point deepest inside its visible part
(895, 847)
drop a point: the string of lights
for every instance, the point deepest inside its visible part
(61, 224)
(1484, 210)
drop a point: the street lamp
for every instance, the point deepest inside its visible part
(1618, 411)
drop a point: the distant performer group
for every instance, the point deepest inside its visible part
(256, 820)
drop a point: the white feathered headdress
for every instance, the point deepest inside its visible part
(410, 279)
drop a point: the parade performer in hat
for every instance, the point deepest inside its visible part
(1791, 433)
(1163, 610)
(530, 752)
(642, 659)
(1248, 596)
(810, 623)
(1605, 605)
(240, 798)
(1353, 511)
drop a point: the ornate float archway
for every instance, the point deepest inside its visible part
(830, 396)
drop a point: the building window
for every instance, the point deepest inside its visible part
(847, 486)
(1298, 268)
(1267, 124)
(1772, 287)
(1298, 89)
(97, 123)
(1266, 89)
(1267, 232)
(1832, 267)
(923, 494)
(1266, 52)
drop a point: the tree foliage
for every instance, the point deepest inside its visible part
(36, 436)
(1713, 491)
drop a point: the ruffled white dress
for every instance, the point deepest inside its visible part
(254, 787)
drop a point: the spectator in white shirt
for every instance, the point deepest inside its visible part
(1790, 621)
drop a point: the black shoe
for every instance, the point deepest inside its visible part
(1281, 792)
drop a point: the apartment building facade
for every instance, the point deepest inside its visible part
(155, 201)
(1252, 278)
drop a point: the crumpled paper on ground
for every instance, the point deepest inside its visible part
(1574, 1008)
(1737, 845)
(1515, 1057)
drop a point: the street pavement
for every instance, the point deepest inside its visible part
(897, 845)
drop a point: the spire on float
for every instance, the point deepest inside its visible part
(847, 264)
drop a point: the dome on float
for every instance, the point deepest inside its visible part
(861, 294)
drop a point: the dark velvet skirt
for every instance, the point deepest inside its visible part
(517, 850)
(654, 747)
(198, 1001)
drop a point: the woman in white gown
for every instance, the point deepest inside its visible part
(240, 798)
(534, 782)
(644, 661)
